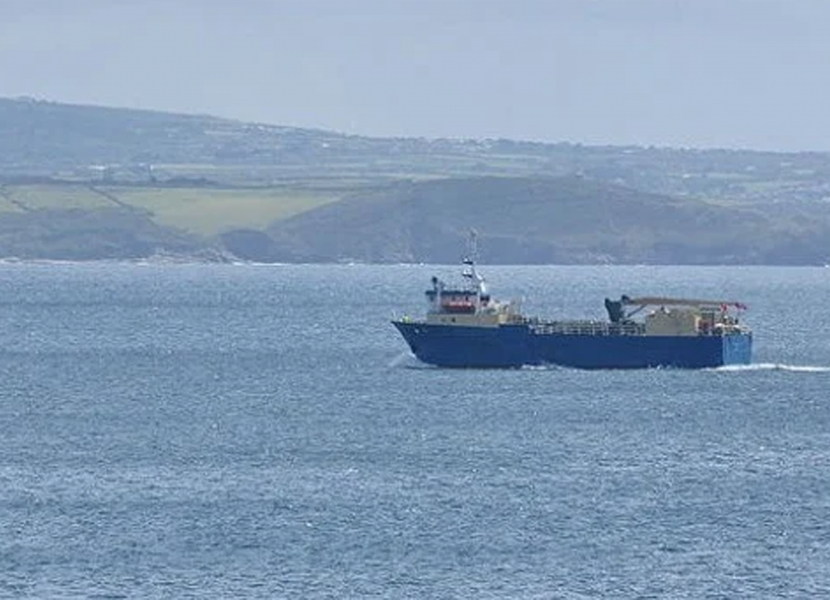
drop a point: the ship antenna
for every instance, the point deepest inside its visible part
(476, 280)
(473, 248)
(472, 256)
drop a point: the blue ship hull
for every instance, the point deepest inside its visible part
(512, 346)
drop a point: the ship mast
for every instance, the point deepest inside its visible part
(469, 272)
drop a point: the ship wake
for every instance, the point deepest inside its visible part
(774, 367)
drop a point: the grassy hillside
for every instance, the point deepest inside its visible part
(522, 220)
(543, 220)
(209, 211)
(184, 183)
(75, 221)
(203, 210)
(92, 234)
(120, 145)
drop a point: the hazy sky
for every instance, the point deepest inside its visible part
(702, 73)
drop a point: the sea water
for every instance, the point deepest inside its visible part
(262, 431)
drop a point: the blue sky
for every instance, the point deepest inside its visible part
(692, 73)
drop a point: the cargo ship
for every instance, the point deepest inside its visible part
(465, 327)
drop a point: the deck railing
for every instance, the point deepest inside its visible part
(539, 327)
(585, 328)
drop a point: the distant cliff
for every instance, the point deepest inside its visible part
(100, 234)
(535, 220)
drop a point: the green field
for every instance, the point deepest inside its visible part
(38, 197)
(210, 210)
(205, 211)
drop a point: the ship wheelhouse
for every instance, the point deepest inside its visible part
(467, 302)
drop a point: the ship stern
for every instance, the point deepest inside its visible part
(737, 349)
